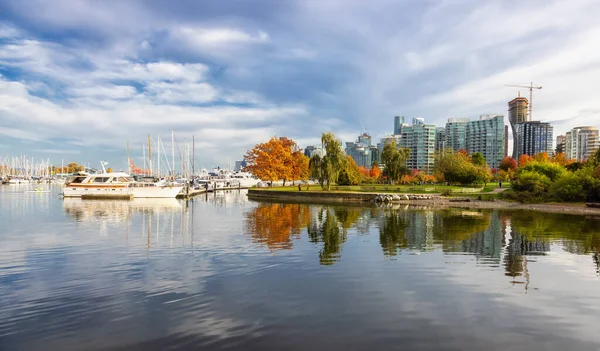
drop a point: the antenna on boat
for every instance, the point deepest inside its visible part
(103, 163)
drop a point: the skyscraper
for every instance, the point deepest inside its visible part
(440, 139)
(420, 139)
(398, 123)
(362, 152)
(561, 143)
(534, 137)
(581, 143)
(517, 113)
(456, 130)
(486, 136)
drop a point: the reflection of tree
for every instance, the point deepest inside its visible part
(347, 217)
(325, 229)
(577, 234)
(453, 225)
(275, 224)
(391, 232)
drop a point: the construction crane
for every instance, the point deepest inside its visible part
(530, 87)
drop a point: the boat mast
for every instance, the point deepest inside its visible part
(144, 154)
(128, 160)
(193, 155)
(173, 153)
(158, 155)
(150, 156)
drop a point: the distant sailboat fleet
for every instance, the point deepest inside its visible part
(151, 181)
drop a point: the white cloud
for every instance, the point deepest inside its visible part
(106, 91)
(182, 92)
(219, 36)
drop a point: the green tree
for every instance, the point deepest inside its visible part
(478, 159)
(333, 161)
(455, 167)
(315, 166)
(394, 160)
(350, 174)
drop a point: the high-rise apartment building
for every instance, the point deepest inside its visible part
(561, 143)
(362, 152)
(534, 137)
(420, 139)
(456, 133)
(398, 124)
(505, 140)
(486, 136)
(440, 139)
(581, 143)
(517, 113)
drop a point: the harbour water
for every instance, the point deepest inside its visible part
(222, 272)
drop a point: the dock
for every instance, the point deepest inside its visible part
(188, 193)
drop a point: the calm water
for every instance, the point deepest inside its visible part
(223, 272)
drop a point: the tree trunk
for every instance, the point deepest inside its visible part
(283, 181)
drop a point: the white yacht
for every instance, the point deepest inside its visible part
(117, 183)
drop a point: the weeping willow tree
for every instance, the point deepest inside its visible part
(395, 161)
(326, 169)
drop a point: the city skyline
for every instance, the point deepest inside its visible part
(79, 81)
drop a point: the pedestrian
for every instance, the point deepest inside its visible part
(500, 184)
(307, 186)
(299, 187)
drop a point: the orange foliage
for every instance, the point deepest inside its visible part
(407, 179)
(375, 172)
(364, 171)
(524, 160)
(276, 225)
(275, 160)
(561, 159)
(541, 157)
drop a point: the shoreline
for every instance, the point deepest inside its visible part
(435, 201)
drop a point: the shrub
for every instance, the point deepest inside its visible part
(551, 170)
(569, 187)
(532, 182)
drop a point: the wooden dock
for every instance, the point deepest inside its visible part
(188, 193)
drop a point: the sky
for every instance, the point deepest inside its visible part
(79, 79)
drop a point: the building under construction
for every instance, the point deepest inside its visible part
(517, 113)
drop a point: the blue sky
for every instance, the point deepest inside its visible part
(78, 79)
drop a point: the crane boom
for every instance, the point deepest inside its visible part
(530, 87)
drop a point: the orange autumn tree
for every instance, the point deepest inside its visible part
(375, 172)
(275, 160)
(524, 160)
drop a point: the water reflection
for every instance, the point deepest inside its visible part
(222, 272)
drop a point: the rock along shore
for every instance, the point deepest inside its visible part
(420, 200)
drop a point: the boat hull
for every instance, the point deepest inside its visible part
(158, 192)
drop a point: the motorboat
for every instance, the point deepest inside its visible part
(117, 184)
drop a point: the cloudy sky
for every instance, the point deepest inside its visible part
(78, 79)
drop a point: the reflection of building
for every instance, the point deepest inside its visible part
(581, 143)
(534, 137)
(486, 136)
(362, 152)
(487, 244)
(456, 133)
(517, 113)
(420, 139)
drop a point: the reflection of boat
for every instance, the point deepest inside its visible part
(117, 184)
(115, 211)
